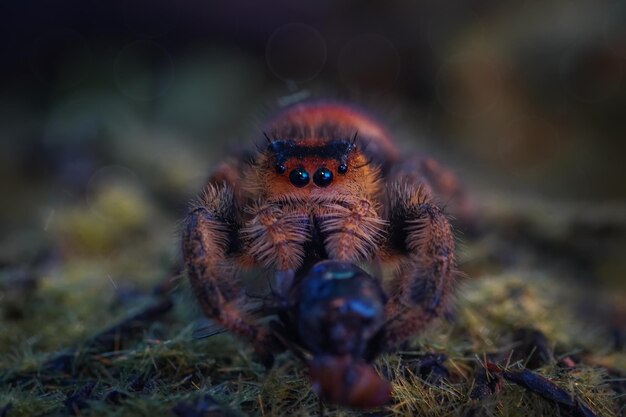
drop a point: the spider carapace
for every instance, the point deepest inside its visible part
(325, 182)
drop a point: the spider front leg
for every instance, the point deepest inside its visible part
(421, 239)
(209, 243)
(353, 228)
(274, 237)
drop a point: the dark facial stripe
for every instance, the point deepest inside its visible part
(286, 149)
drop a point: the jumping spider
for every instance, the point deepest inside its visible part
(327, 182)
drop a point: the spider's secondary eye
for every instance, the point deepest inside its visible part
(342, 169)
(280, 169)
(299, 177)
(323, 177)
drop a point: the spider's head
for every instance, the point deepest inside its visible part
(321, 148)
(312, 163)
(315, 167)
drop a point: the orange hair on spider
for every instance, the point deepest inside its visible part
(326, 139)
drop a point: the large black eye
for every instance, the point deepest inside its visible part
(299, 177)
(342, 169)
(323, 177)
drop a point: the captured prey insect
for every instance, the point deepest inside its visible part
(334, 320)
(326, 182)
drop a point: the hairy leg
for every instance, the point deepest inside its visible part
(275, 235)
(208, 244)
(229, 173)
(437, 180)
(282, 234)
(352, 228)
(422, 243)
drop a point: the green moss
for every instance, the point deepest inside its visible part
(180, 367)
(105, 271)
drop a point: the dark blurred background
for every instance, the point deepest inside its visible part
(111, 113)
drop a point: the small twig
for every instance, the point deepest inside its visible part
(543, 387)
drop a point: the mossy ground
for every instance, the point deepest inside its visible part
(105, 247)
(91, 271)
(100, 150)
